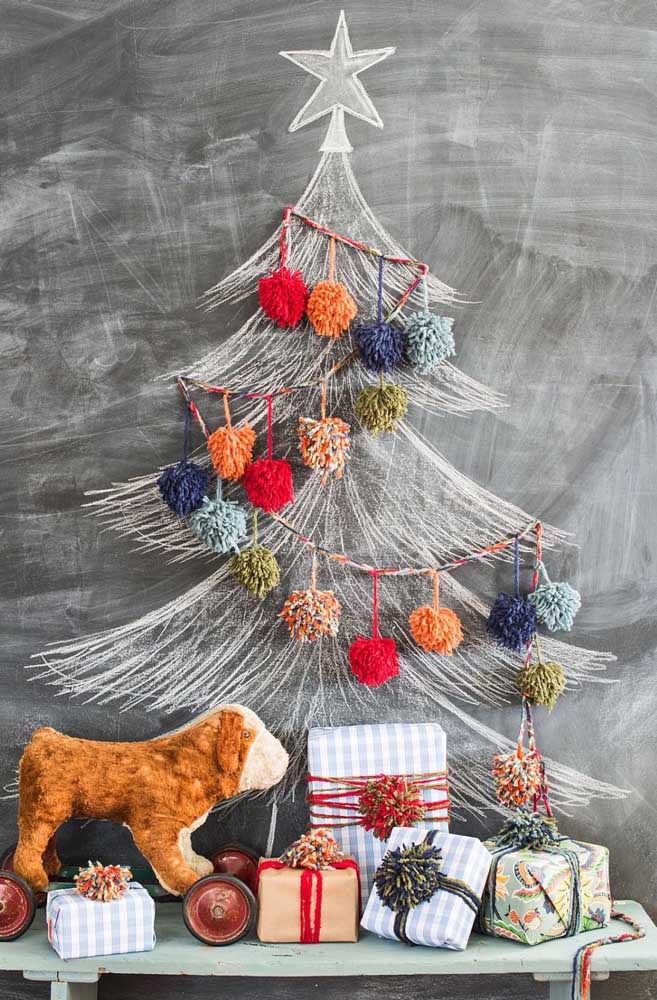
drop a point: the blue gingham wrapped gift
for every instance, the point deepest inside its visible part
(341, 761)
(447, 918)
(80, 928)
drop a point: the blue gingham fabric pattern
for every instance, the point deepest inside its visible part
(445, 921)
(80, 928)
(385, 748)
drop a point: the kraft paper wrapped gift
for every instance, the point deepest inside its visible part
(539, 895)
(81, 928)
(344, 759)
(444, 920)
(306, 905)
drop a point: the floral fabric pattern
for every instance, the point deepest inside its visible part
(533, 893)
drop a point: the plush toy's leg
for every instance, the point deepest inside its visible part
(31, 849)
(196, 861)
(160, 846)
(51, 861)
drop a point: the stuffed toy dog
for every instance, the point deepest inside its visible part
(161, 789)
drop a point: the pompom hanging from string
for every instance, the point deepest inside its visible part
(556, 604)
(219, 524)
(310, 614)
(256, 568)
(380, 407)
(518, 775)
(512, 619)
(283, 293)
(183, 486)
(324, 444)
(429, 339)
(436, 629)
(374, 660)
(541, 682)
(231, 448)
(380, 344)
(330, 307)
(268, 481)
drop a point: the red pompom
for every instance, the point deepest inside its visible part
(283, 296)
(268, 484)
(373, 661)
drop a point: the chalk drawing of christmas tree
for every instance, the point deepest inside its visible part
(399, 503)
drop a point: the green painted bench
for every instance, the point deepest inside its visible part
(178, 953)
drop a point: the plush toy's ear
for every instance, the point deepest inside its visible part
(229, 741)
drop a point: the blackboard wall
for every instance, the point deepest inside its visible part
(145, 154)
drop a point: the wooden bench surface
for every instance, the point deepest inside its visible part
(178, 953)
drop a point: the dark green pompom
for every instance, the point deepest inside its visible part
(408, 876)
(379, 407)
(542, 682)
(256, 569)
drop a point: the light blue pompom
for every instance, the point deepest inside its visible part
(429, 340)
(219, 524)
(556, 604)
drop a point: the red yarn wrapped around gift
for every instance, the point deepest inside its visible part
(374, 661)
(283, 296)
(268, 484)
(390, 801)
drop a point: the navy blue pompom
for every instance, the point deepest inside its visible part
(512, 621)
(183, 487)
(380, 344)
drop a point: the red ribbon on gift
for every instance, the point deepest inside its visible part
(310, 917)
(352, 801)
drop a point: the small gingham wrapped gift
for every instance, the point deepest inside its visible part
(80, 928)
(439, 906)
(365, 780)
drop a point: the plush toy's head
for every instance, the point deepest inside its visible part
(246, 748)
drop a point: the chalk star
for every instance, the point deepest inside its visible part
(339, 89)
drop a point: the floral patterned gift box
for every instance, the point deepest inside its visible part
(536, 894)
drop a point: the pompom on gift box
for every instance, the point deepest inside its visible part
(79, 927)
(346, 764)
(438, 911)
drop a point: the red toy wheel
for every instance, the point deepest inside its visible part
(219, 909)
(238, 861)
(17, 906)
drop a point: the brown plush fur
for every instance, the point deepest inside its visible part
(161, 789)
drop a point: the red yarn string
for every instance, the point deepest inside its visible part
(270, 417)
(283, 241)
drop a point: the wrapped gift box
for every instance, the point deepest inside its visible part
(80, 928)
(446, 920)
(343, 758)
(538, 895)
(308, 906)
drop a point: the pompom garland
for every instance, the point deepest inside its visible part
(257, 570)
(231, 448)
(429, 340)
(541, 682)
(518, 777)
(310, 614)
(219, 524)
(330, 309)
(283, 296)
(512, 622)
(436, 629)
(380, 407)
(102, 883)
(374, 661)
(183, 487)
(409, 875)
(268, 484)
(389, 801)
(556, 604)
(380, 345)
(316, 850)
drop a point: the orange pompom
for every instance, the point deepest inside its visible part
(330, 308)
(231, 450)
(437, 631)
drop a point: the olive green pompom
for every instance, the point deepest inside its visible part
(256, 569)
(379, 407)
(542, 682)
